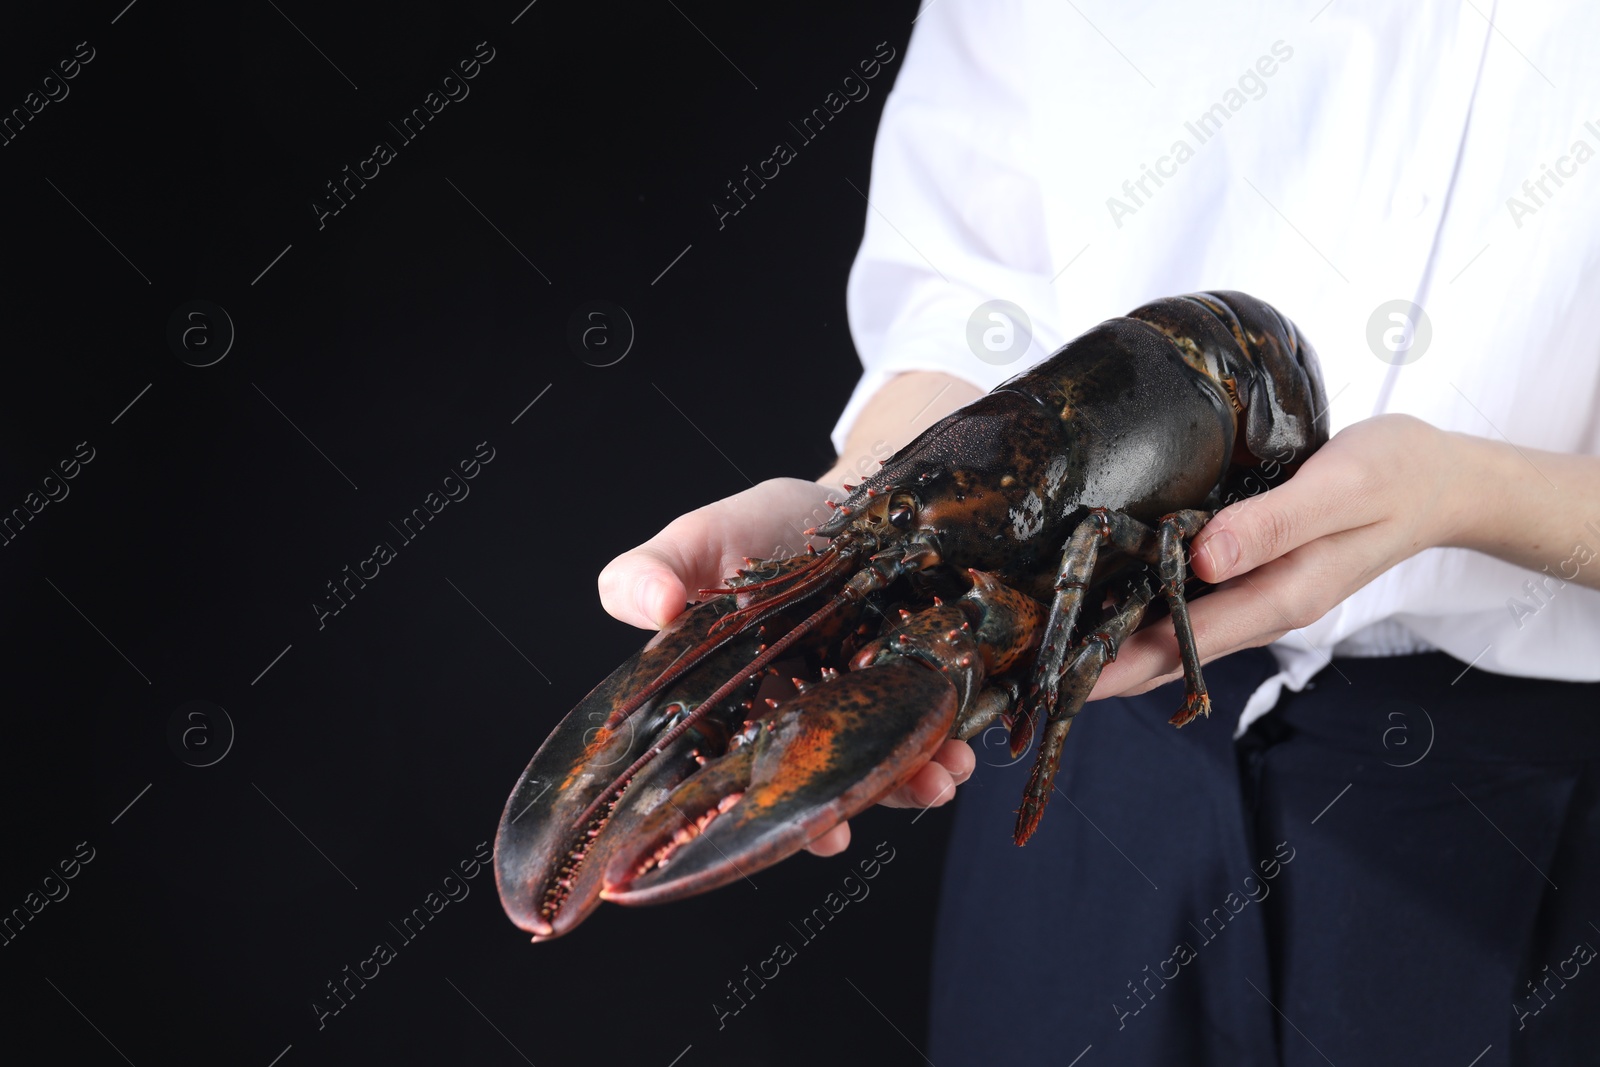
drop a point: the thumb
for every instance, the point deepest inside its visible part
(643, 587)
(1257, 530)
(649, 585)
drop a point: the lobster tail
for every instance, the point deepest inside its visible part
(1287, 398)
(1268, 371)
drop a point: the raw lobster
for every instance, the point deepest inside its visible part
(988, 570)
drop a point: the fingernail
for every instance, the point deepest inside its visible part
(1223, 548)
(648, 597)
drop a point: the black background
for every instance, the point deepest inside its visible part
(378, 750)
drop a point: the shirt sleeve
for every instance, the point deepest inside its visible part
(955, 215)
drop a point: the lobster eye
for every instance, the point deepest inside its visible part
(902, 511)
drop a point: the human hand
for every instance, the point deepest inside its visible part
(1377, 493)
(648, 586)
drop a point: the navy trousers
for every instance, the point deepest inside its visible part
(1400, 865)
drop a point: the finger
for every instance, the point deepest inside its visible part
(935, 782)
(649, 585)
(641, 589)
(1253, 609)
(930, 787)
(644, 587)
(831, 843)
(1323, 498)
(957, 757)
(933, 786)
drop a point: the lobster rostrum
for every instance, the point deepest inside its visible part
(988, 571)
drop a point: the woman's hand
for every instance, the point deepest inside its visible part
(1379, 492)
(649, 585)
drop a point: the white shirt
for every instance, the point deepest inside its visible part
(1359, 154)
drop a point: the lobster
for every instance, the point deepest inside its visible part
(988, 571)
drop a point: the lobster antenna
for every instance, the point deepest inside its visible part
(675, 670)
(806, 580)
(772, 652)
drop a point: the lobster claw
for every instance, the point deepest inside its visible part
(548, 869)
(826, 754)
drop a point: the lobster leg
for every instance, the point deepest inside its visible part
(1176, 529)
(1162, 547)
(993, 702)
(1078, 562)
(1088, 660)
